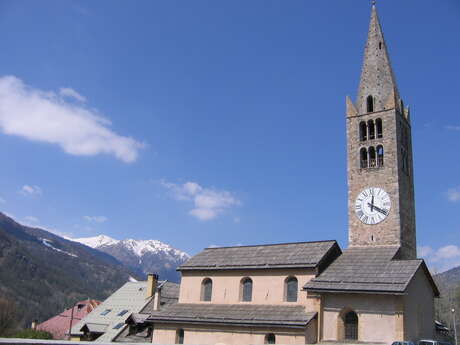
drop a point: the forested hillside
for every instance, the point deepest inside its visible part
(43, 273)
(449, 285)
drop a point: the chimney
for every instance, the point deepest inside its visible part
(156, 299)
(34, 325)
(152, 282)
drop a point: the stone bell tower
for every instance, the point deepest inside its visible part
(381, 208)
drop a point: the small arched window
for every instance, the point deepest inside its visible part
(270, 339)
(379, 125)
(371, 127)
(363, 158)
(380, 154)
(380, 45)
(206, 290)
(362, 131)
(372, 158)
(180, 336)
(246, 290)
(351, 326)
(291, 288)
(370, 104)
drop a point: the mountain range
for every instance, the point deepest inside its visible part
(141, 256)
(44, 273)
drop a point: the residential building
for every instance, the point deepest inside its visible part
(107, 322)
(60, 324)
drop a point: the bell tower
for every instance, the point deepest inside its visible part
(381, 208)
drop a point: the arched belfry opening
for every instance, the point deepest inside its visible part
(380, 154)
(347, 325)
(362, 131)
(372, 157)
(363, 158)
(370, 104)
(379, 128)
(371, 127)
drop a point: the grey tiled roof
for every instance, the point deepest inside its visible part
(241, 314)
(304, 254)
(130, 298)
(366, 269)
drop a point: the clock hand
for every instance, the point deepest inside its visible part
(372, 204)
(378, 209)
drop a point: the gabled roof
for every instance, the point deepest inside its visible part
(286, 255)
(234, 314)
(368, 269)
(58, 325)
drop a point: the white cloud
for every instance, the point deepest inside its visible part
(453, 194)
(448, 252)
(71, 93)
(208, 203)
(30, 190)
(453, 128)
(96, 219)
(441, 259)
(47, 117)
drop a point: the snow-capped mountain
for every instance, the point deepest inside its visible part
(142, 256)
(97, 241)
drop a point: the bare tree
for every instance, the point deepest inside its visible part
(7, 316)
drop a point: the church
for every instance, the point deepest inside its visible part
(375, 291)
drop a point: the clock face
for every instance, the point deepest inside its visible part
(372, 205)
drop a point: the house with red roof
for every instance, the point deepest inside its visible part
(60, 324)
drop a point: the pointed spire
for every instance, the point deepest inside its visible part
(377, 78)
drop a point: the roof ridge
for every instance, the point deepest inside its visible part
(271, 244)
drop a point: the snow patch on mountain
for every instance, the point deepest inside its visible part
(48, 244)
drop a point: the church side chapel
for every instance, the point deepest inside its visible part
(375, 291)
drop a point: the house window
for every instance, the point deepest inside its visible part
(123, 312)
(270, 339)
(370, 104)
(246, 290)
(351, 326)
(291, 288)
(105, 312)
(206, 290)
(118, 325)
(180, 336)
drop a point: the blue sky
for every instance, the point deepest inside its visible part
(216, 122)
